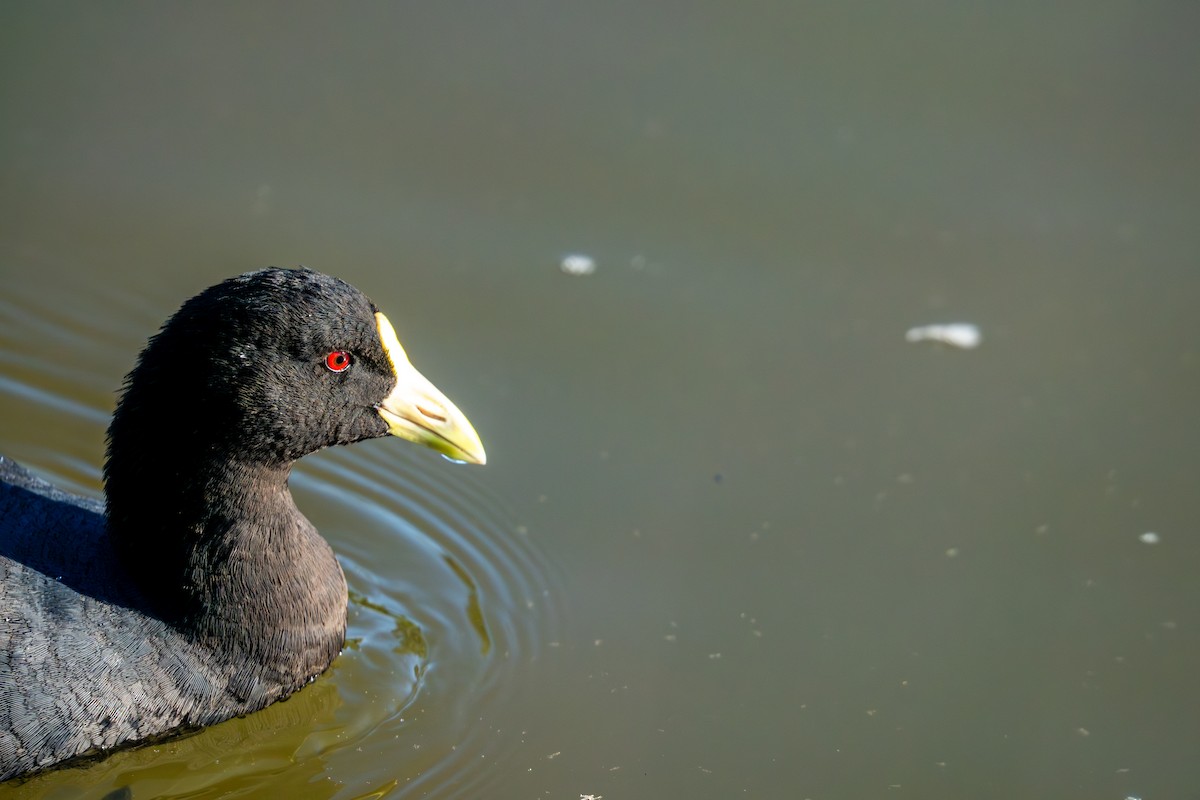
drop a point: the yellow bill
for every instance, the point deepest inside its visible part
(416, 410)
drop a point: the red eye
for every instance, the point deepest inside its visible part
(338, 361)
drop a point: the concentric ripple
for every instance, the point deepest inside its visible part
(428, 546)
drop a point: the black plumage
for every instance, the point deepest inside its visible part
(200, 592)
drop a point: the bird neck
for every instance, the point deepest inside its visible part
(221, 552)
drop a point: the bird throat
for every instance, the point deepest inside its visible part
(221, 553)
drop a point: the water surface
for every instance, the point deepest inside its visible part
(736, 536)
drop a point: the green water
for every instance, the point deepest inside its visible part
(736, 537)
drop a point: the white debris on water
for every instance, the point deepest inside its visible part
(963, 335)
(1149, 537)
(577, 264)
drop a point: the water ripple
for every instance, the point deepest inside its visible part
(468, 577)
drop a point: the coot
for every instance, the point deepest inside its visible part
(198, 591)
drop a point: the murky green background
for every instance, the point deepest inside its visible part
(736, 536)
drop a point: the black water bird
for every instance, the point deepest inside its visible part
(199, 592)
